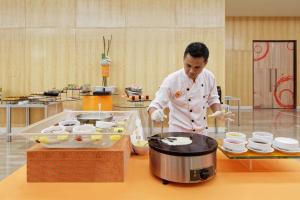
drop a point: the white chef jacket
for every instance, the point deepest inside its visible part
(187, 100)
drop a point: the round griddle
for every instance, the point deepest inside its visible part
(201, 144)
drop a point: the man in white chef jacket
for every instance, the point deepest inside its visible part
(188, 93)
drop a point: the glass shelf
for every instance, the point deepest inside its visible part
(253, 155)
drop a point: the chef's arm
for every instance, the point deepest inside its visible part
(161, 99)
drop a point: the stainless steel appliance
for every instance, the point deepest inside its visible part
(192, 163)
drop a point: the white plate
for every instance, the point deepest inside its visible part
(260, 151)
(285, 150)
(104, 125)
(232, 151)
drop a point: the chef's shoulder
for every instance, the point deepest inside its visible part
(209, 79)
(172, 79)
(208, 75)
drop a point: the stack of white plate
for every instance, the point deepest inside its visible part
(261, 142)
(265, 136)
(287, 145)
(234, 145)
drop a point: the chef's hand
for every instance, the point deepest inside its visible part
(222, 115)
(158, 115)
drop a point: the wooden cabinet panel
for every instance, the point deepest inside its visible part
(50, 58)
(150, 13)
(200, 13)
(100, 13)
(50, 13)
(12, 13)
(13, 74)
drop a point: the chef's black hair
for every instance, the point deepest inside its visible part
(197, 50)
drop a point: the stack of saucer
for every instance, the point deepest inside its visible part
(234, 145)
(287, 145)
(261, 142)
(235, 142)
(266, 136)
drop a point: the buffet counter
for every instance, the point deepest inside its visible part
(49, 110)
(269, 179)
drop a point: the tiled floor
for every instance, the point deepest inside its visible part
(279, 122)
(12, 155)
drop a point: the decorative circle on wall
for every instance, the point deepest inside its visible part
(278, 94)
(261, 51)
(290, 46)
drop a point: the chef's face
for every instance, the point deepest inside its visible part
(193, 66)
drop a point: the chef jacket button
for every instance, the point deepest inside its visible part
(189, 99)
(203, 107)
(202, 85)
(187, 89)
(204, 117)
(192, 120)
(206, 127)
(191, 110)
(203, 96)
(194, 130)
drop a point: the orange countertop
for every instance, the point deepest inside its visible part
(233, 181)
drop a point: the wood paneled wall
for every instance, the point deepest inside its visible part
(240, 32)
(50, 43)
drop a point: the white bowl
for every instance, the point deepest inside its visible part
(286, 143)
(69, 124)
(83, 132)
(84, 129)
(141, 147)
(53, 134)
(265, 136)
(54, 129)
(236, 135)
(105, 125)
(259, 143)
(234, 144)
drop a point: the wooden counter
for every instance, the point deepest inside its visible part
(233, 181)
(79, 165)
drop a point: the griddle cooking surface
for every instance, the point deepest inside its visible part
(201, 145)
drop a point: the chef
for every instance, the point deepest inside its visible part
(188, 93)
